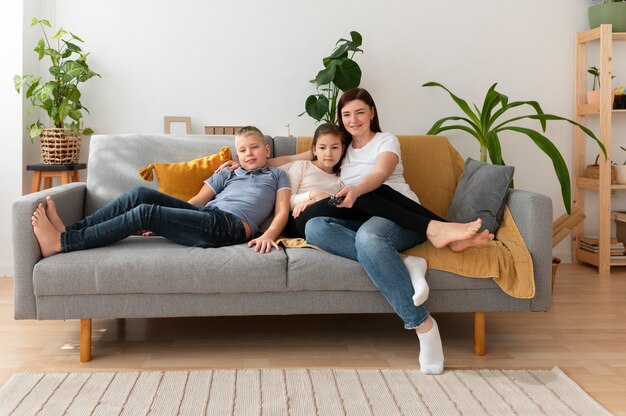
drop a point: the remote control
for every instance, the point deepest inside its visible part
(336, 200)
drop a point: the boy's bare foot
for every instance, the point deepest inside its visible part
(479, 239)
(53, 215)
(48, 237)
(441, 234)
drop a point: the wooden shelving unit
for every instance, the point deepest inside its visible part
(604, 112)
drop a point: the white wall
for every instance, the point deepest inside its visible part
(11, 122)
(244, 61)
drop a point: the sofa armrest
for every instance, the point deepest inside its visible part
(70, 201)
(533, 214)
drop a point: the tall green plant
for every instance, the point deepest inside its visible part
(484, 125)
(340, 73)
(60, 96)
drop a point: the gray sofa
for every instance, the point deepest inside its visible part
(151, 277)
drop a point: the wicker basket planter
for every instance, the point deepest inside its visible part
(593, 172)
(60, 146)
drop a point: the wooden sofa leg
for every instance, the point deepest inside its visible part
(85, 340)
(479, 333)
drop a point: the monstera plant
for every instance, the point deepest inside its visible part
(340, 73)
(485, 125)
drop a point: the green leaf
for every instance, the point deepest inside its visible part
(18, 82)
(326, 75)
(458, 127)
(36, 21)
(60, 33)
(86, 75)
(40, 48)
(33, 86)
(546, 117)
(560, 167)
(55, 71)
(64, 110)
(75, 115)
(343, 49)
(317, 106)
(76, 37)
(459, 101)
(492, 98)
(472, 129)
(357, 39)
(35, 130)
(493, 148)
(45, 92)
(72, 47)
(72, 70)
(348, 75)
(534, 104)
(87, 131)
(54, 55)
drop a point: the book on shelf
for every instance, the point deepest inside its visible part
(594, 240)
(590, 244)
(614, 252)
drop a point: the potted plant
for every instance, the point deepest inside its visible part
(593, 96)
(619, 99)
(620, 170)
(609, 11)
(59, 96)
(340, 73)
(484, 125)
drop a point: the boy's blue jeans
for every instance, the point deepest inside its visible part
(375, 244)
(147, 209)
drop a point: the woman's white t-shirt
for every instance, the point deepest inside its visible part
(359, 163)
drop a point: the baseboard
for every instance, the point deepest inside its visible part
(6, 270)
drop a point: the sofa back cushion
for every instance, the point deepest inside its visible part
(432, 168)
(114, 160)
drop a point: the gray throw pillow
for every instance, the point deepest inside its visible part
(481, 193)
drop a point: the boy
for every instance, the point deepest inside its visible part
(228, 210)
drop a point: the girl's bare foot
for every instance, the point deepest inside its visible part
(441, 234)
(48, 237)
(479, 239)
(53, 215)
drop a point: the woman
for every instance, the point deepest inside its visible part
(373, 159)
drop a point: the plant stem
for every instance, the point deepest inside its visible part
(44, 35)
(483, 154)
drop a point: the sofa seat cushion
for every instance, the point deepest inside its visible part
(316, 270)
(154, 265)
(311, 269)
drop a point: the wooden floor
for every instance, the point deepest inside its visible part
(584, 334)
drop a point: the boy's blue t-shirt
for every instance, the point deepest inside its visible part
(249, 195)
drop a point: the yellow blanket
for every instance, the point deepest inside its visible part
(432, 167)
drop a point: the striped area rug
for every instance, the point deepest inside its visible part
(297, 392)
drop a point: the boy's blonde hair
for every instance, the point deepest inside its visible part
(248, 130)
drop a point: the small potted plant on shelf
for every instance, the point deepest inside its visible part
(593, 96)
(619, 99)
(620, 170)
(609, 11)
(59, 96)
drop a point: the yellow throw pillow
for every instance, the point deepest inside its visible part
(185, 179)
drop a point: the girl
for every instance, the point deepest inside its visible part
(316, 180)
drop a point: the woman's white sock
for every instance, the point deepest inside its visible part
(417, 269)
(431, 351)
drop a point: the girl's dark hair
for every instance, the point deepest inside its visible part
(332, 129)
(357, 94)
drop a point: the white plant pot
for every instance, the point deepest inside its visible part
(620, 171)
